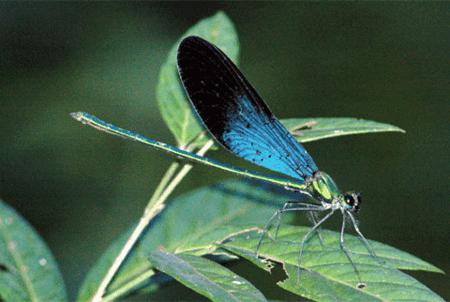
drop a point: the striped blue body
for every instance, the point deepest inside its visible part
(101, 125)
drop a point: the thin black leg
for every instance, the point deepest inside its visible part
(347, 253)
(279, 212)
(313, 207)
(306, 237)
(364, 240)
(313, 217)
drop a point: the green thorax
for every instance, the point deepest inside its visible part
(324, 187)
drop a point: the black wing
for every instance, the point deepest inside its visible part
(234, 113)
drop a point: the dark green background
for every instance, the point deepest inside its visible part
(80, 188)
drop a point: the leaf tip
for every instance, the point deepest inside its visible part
(398, 129)
(436, 269)
(221, 15)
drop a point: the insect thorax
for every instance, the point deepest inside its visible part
(323, 187)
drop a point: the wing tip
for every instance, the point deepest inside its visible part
(190, 41)
(186, 43)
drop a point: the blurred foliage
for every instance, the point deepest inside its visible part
(80, 189)
(28, 271)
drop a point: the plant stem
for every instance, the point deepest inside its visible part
(155, 205)
(128, 286)
(162, 184)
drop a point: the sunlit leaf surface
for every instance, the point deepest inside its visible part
(326, 274)
(385, 285)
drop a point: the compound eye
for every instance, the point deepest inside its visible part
(349, 200)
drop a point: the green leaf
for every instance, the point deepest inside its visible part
(325, 270)
(192, 223)
(312, 129)
(173, 104)
(206, 277)
(386, 285)
(28, 271)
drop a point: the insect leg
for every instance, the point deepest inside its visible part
(363, 239)
(279, 212)
(347, 253)
(313, 217)
(307, 206)
(306, 237)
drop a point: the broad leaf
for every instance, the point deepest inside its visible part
(28, 271)
(172, 100)
(385, 285)
(326, 273)
(206, 277)
(192, 223)
(311, 129)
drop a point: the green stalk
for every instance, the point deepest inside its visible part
(162, 184)
(129, 286)
(153, 208)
